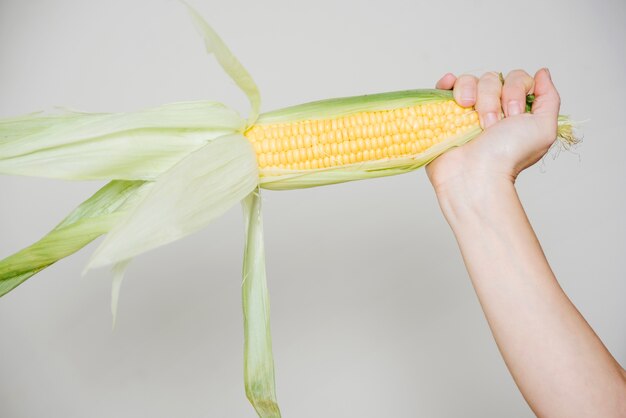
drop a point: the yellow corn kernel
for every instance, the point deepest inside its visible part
(359, 137)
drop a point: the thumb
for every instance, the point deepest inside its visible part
(547, 101)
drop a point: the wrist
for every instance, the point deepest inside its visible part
(472, 197)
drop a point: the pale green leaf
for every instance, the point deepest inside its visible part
(132, 146)
(229, 62)
(118, 276)
(25, 125)
(342, 106)
(94, 217)
(184, 199)
(258, 358)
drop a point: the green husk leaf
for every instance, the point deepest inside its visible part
(130, 146)
(184, 199)
(342, 106)
(258, 358)
(25, 125)
(116, 283)
(229, 62)
(94, 217)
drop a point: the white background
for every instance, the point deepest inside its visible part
(372, 311)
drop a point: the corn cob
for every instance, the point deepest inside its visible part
(365, 136)
(355, 138)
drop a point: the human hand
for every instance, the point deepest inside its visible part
(512, 140)
(559, 364)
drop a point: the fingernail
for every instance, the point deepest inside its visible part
(514, 108)
(490, 119)
(467, 96)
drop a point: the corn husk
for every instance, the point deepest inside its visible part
(93, 218)
(258, 358)
(184, 199)
(125, 146)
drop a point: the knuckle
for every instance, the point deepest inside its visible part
(466, 79)
(490, 85)
(514, 89)
(519, 79)
(518, 73)
(486, 104)
(490, 76)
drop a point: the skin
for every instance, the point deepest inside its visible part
(557, 361)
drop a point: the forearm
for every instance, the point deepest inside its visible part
(557, 361)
